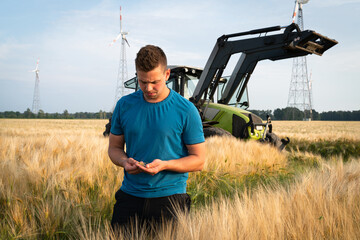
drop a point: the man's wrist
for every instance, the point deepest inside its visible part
(166, 165)
(122, 162)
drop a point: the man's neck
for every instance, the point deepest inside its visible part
(160, 98)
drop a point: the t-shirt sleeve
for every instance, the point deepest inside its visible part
(116, 127)
(193, 129)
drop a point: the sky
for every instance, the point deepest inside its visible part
(78, 68)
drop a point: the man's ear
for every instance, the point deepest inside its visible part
(167, 74)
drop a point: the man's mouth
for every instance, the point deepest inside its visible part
(151, 94)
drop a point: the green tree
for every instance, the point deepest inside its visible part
(41, 114)
(29, 114)
(10, 114)
(288, 113)
(65, 114)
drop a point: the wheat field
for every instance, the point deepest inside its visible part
(318, 130)
(57, 182)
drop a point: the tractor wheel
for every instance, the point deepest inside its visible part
(215, 131)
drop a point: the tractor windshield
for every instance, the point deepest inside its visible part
(190, 84)
(183, 83)
(244, 100)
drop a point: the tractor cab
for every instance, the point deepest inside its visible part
(184, 79)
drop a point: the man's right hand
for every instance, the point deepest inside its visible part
(131, 167)
(118, 156)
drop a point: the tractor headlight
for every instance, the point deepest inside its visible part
(259, 128)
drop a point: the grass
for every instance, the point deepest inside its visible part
(233, 165)
(57, 182)
(340, 147)
(316, 206)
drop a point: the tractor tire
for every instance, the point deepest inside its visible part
(215, 131)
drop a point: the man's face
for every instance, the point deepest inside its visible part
(153, 84)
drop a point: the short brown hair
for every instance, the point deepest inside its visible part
(150, 57)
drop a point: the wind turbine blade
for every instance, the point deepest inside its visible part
(296, 9)
(120, 20)
(127, 42)
(37, 64)
(113, 41)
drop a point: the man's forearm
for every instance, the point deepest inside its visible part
(191, 163)
(117, 156)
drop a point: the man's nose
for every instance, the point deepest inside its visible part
(148, 87)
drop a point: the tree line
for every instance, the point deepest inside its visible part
(65, 115)
(290, 113)
(287, 113)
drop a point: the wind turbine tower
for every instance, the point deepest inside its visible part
(36, 98)
(122, 71)
(300, 95)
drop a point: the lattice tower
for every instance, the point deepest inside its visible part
(36, 98)
(122, 70)
(122, 73)
(300, 94)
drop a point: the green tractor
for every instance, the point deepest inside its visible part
(222, 100)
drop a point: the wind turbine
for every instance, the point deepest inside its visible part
(36, 98)
(298, 6)
(122, 71)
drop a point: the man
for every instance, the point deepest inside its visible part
(164, 141)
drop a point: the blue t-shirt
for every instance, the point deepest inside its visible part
(156, 131)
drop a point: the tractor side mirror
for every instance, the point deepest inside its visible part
(246, 104)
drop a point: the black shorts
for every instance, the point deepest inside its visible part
(128, 207)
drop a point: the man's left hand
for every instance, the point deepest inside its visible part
(154, 167)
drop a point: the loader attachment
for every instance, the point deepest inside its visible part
(289, 44)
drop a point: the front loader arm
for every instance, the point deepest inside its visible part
(288, 44)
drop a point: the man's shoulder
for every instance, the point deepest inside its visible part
(183, 106)
(131, 98)
(181, 100)
(127, 102)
